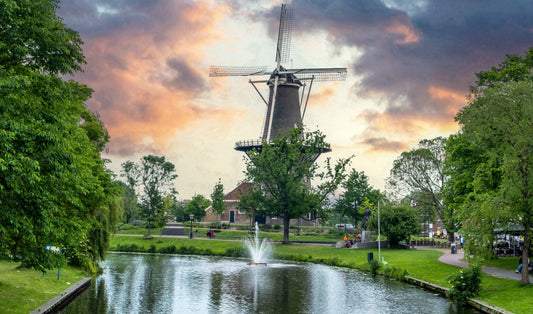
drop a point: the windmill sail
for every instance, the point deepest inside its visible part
(283, 107)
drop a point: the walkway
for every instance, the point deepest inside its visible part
(457, 260)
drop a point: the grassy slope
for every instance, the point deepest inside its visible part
(24, 290)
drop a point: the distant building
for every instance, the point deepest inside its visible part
(234, 215)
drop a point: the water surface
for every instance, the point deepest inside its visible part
(141, 283)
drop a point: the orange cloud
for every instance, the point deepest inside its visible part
(146, 76)
(404, 28)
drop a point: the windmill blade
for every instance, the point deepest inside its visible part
(319, 74)
(216, 71)
(283, 48)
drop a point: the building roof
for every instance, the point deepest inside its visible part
(238, 192)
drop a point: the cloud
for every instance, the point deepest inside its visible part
(144, 63)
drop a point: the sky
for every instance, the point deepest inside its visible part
(410, 65)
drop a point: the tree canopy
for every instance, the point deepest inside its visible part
(54, 186)
(356, 190)
(282, 171)
(397, 222)
(153, 179)
(497, 125)
(217, 199)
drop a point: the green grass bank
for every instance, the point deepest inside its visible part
(510, 295)
(23, 290)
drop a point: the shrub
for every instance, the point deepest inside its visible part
(395, 272)
(171, 249)
(374, 266)
(226, 226)
(465, 284)
(215, 225)
(235, 252)
(277, 226)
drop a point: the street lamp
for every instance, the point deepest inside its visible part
(191, 216)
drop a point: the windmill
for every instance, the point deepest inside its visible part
(285, 101)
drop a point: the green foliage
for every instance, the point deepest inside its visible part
(418, 176)
(153, 179)
(395, 272)
(374, 266)
(356, 189)
(280, 171)
(495, 145)
(197, 207)
(465, 284)
(54, 188)
(397, 222)
(33, 37)
(217, 199)
(277, 226)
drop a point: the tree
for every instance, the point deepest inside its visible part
(282, 171)
(397, 222)
(356, 190)
(197, 206)
(153, 178)
(418, 174)
(497, 124)
(54, 186)
(33, 37)
(217, 199)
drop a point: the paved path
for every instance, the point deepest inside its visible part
(457, 260)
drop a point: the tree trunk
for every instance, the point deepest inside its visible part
(286, 228)
(525, 254)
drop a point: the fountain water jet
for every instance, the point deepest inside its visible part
(259, 249)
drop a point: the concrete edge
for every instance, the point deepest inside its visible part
(64, 297)
(482, 306)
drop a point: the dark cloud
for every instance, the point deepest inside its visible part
(184, 76)
(382, 144)
(408, 52)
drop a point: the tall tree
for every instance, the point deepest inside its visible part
(355, 190)
(282, 171)
(54, 188)
(419, 174)
(498, 123)
(217, 199)
(153, 178)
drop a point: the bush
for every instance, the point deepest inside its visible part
(465, 284)
(374, 266)
(277, 226)
(395, 272)
(226, 226)
(215, 225)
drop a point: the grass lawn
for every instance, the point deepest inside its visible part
(24, 290)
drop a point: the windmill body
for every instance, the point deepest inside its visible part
(285, 108)
(287, 114)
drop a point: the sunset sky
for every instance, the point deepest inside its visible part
(410, 65)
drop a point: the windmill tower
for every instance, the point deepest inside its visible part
(286, 87)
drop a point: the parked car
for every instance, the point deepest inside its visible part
(349, 228)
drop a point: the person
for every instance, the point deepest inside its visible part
(454, 248)
(209, 233)
(345, 238)
(519, 269)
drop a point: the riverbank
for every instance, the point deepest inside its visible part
(506, 294)
(24, 290)
(423, 265)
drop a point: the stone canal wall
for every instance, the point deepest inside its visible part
(64, 297)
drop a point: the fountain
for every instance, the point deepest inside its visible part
(259, 249)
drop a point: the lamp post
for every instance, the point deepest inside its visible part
(191, 216)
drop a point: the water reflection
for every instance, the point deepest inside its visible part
(190, 284)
